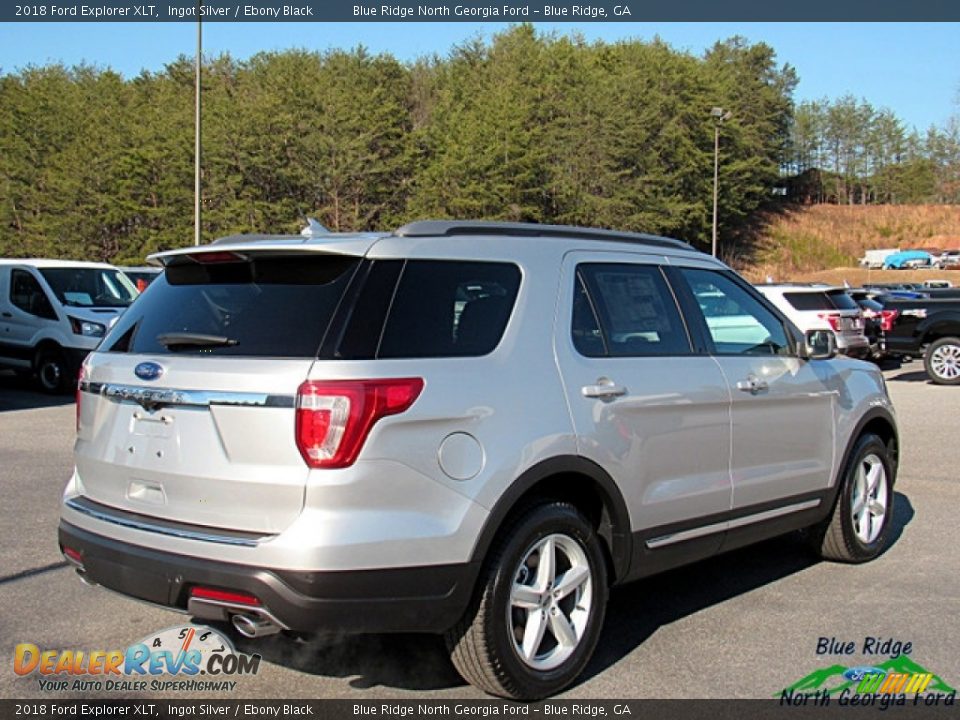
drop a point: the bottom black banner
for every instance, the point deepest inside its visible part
(785, 707)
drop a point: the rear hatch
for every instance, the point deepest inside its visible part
(187, 409)
(833, 307)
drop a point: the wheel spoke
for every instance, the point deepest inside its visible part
(524, 596)
(562, 629)
(546, 565)
(873, 477)
(571, 580)
(533, 633)
(858, 505)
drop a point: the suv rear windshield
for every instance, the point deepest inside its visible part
(826, 300)
(258, 307)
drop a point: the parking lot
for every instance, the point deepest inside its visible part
(746, 624)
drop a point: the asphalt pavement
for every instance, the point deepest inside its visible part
(743, 625)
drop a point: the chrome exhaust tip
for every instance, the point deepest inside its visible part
(82, 574)
(251, 626)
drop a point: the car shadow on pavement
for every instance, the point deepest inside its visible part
(911, 375)
(407, 661)
(20, 393)
(635, 612)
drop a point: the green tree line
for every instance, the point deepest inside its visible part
(852, 153)
(525, 127)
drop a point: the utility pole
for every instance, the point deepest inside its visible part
(196, 133)
(719, 115)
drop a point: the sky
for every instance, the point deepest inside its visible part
(910, 68)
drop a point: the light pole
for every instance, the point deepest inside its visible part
(196, 134)
(719, 115)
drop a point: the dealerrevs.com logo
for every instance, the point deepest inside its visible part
(185, 658)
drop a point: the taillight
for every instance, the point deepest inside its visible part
(80, 378)
(887, 319)
(334, 417)
(831, 318)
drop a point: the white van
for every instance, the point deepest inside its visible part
(53, 312)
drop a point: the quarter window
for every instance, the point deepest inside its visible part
(449, 309)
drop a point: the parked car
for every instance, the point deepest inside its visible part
(822, 308)
(949, 260)
(142, 276)
(874, 259)
(929, 327)
(465, 428)
(53, 312)
(908, 259)
(877, 319)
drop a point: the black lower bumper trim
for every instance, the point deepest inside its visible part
(414, 599)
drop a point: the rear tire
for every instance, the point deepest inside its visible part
(52, 371)
(942, 361)
(539, 607)
(857, 529)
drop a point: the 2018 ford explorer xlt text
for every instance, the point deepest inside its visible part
(472, 429)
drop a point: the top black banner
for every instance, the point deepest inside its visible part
(514, 11)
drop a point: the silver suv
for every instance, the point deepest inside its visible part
(466, 428)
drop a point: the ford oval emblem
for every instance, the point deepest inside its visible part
(148, 371)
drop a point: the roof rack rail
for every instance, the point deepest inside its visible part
(449, 228)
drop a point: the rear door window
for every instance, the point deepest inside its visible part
(626, 310)
(260, 306)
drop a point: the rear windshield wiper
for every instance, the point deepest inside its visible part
(174, 340)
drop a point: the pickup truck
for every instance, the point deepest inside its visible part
(928, 327)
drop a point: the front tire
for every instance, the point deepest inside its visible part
(540, 604)
(52, 371)
(942, 361)
(858, 527)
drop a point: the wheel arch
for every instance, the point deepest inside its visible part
(941, 326)
(880, 422)
(43, 345)
(585, 485)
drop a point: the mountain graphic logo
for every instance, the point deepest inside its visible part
(834, 679)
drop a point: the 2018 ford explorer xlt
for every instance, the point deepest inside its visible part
(465, 428)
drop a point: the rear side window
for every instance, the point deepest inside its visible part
(809, 301)
(449, 309)
(627, 311)
(261, 307)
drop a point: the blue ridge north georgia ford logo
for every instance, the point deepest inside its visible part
(148, 371)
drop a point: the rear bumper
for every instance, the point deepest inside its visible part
(411, 599)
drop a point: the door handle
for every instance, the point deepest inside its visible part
(752, 385)
(7, 315)
(605, 388)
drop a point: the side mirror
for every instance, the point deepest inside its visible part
(818, 345)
